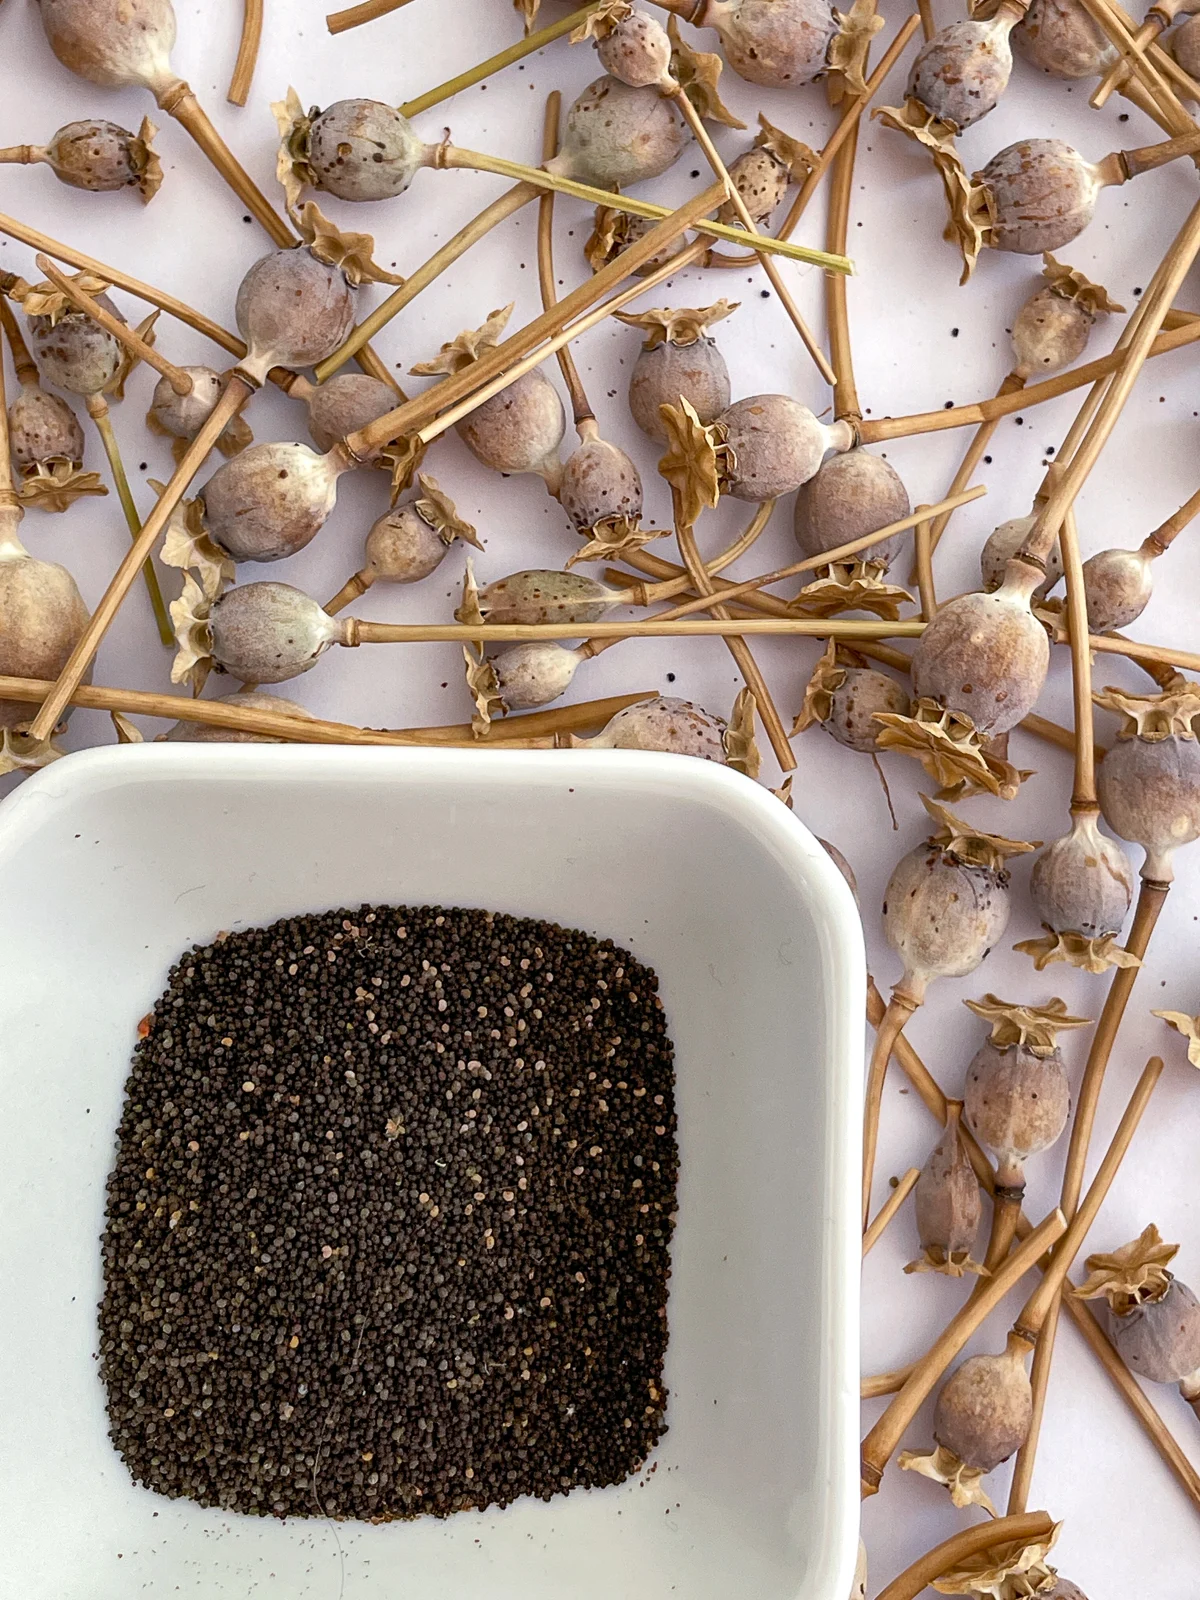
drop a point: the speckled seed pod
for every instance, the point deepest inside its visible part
(1060, 38)
(843, 866)
(777, 444)
(1149, 793)
(1184, 44)
(776, 43)
(1003, 543)
(664, 723)
(960, 74)
(42, 616)
(200, 733)
(1160, 1339)
(762, 181)
(364, 150)
(95, 155)
(543, 595)
(76, 353)
(616, 136)
(947, 1199)
(599, 481)
(1017, 1103)
(637, 51)
(1043, 194)
(854, 704)
(270, 501)
(531, 675)
(183, 415)
(42, 427)
(519, 429)
(1118, 585)
(984, 1411)
(671, 372)
(1049, 333)
(403, 548)
(986, 655)
(347, 402)
(292, 311)
(1062, 1590)
(848, 497)
(117, 43)
(1083, 882)
(942, 915)
(269, 632)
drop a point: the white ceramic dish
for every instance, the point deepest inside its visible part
(111, 862)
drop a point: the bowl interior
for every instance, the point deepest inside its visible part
(113, 862)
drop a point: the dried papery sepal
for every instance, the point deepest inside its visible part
(601, 21)
(1032, 1028)
(1189, 1027)
(127, 732)
(613, 232)
(848, 50)
(180, 417)
(99, 156)
(1131, 1275)
(1060, 38)
(948, 747)
(844, 695)
(738, 741)
(850, 586)
(186, 545)
(692, 465)
(948, 1205)
(943, 1466)
(615, 539)
(677, 325)
(56, 485)
(351, 253)
(1005, 1572)
(1093, 955)
(191, 618)
(970, 215)
(20, 753)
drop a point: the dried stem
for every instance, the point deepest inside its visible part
(970, 1542)
(1152, 68)
(355, 16)
(1120, 70)
(247, 56)
(1083, 798)
(497, 63)
(233, 398)
(366, 632)
(883, 1438)
(1116, 644)
(927, 24)
(900, 1008)
(1160, 541)
(923, 561)
(845, 391)
(975, 453)
(121, 331)
(24, 365)
(580, 408)
(888, 1210)
(97, 409)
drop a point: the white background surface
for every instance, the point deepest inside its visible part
(1129, 1529)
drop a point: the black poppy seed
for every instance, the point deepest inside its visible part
(316, 1264)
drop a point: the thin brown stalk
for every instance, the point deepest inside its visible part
(355, 16)
(1083, 798)
(580, 407)
(1167, 655)
(97, 409)
(837, 316)
(1161, 540)
(927, 23)
(900, 1008)
(362, 631)
(1153, 69)
(888, 1210)
(24, 365)
(975, 453)
(969, 1542)
(923, 561)
(247, 56)
(121, 331)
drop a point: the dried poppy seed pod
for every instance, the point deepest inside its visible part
(363, 150)
(1063, 1590)
(269, 632)
(664, 723)
(1118, 585)
(678, 360)
(247, 699)
(775, 445)
(776, 43)
(849, 496)
(271, 500)
(345, 403)
(543, 595)
(612, 234)
(984, 1411)
(43, 428)
(599, 482)
(637, 51)
(75, 353)
(404, 546)
(181, 416)
(531, 675)
(1050, 332)
(1148, 783)
(42, 617)
(1002, 545)
(862, 694)
(1017, 1096)
(1060, 38)
(616, 136)
(762, 181)
(115, 43)
(519, 429)
(839, 861)
(292, 311)
(99, 156)
(960, 74)
(948, 1204)
(1082, 888)
(1154, 1320)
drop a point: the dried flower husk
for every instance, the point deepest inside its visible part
(100, 156)
(616, 136)
(1041, 194)
(186, 545)
(773, 444)
(1132, 1274)
(614, 231)
(271, 500)
(698, 73)
(75, 353)
(1060, 38)
(775, 43)
(947, 745)
(1082, 888)
(356, 149)
(520, 678)
(345, 403)
(56, 485)
(599, 482)
(1148, 783)
(115, 43)
(948, 1205)
(181, 416)
(741, 747)
(948, 901)
(269, 632)
(248, 700)
(850, 586)
(633, 48)
(968, 204)
(1012, 1571)
(1017, 1095)
(1003, 543)
(292, 310)
(1118, 585)
(664, 723)
(20, 752)
(960, 74)
(1154, 1319)
(543, 595)
(42, 617)
(1189, 1027)
(848, 497)
(845, 697)
(678, 361)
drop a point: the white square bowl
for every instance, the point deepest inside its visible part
(113, 861)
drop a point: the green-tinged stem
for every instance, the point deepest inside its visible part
(497, 63)
(97, 408)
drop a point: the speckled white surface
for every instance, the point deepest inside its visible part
(920, 341)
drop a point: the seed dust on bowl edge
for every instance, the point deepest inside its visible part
(113, 861)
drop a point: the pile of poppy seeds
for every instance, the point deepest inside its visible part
(388, 1229)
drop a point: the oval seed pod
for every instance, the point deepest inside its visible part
(1003, 543)
(363, 150)
(664, 723)
(531, 675)
(102, 157)
(985, 1410)
(599, 482)
(960, 74)
(775, 43)
(853, 706)
(343, 404)
(519, 429)
(544, 595)
(42, 617)
(1118, 585)
(181, 416)
(116, 43)
(762, 181)
(1154, 1319)
(1063, 1590)
(43, 428)
(404, 546)
(269, 632)
(1051, 330)
(201, 733)
(75, 353)
(637, 51)
(1183, 43)
(292, 311)
(1017, 1097)
(775, 445)
(948, 1204)
(843, 866)
(1082, 887)
(1060, 38)
(271, 500)
(616, 136)
(678, 361)
(1148, 783)
(849, 496)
